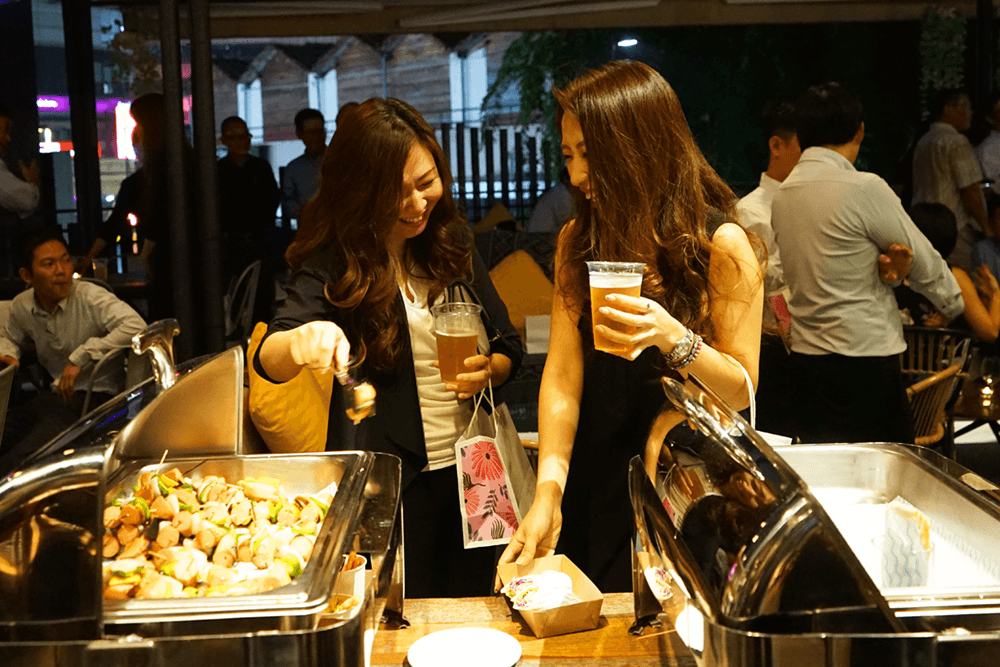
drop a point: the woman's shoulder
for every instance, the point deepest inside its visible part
(730, 238)
(321, 263)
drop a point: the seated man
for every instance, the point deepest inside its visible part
(70, 325)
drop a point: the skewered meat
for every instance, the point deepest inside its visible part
(110, 546)
(112, 517)
(177, 537)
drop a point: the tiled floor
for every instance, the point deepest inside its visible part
(979, 451)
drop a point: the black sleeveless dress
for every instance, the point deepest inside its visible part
(619, 402)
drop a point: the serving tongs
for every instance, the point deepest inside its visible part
(359, 395)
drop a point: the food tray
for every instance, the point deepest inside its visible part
(294, 606)
(855, 484)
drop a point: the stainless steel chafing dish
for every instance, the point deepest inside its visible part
(51, 606)
(772, 549)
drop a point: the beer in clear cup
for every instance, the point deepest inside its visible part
(612, 278)
(456, 327)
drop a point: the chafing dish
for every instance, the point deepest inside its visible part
(51, 606)
(772, 549)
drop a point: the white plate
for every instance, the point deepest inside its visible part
(460, 647)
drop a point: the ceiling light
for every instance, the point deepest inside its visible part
(627, 43)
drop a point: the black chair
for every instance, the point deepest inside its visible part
(238, 306)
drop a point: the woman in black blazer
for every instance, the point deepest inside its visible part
(377, 246)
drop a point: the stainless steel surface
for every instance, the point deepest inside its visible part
(49, 539)
(222, 638)
(157, 342)
(743, 533)
(51, 608)
(855, 483)
(340, 643)
(202, 414)
(382, 535)
(809, 513)
(292, 607)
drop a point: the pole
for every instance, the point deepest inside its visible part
(984, 50)
(203, 119)
(77, 29)
(385, 75)
(176, 190)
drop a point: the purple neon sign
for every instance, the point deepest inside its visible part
(60, 104)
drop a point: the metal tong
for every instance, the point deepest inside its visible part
(359, 396)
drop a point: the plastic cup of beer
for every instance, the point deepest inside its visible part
(612, 278)
(100, 265)
(456, 327)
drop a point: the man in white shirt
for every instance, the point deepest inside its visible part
(831, 223)
(16, 195)
(755, 208)
(70, 325)
(946, 171)
(774, 390)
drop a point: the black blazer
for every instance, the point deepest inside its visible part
(397, 427)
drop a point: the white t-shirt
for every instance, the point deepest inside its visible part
(444, 416)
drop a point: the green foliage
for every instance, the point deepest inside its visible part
(942, 51)
(724, 75)
(538, 61)
(132, 59)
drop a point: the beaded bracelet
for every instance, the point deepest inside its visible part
(682, 348)
(692, 355)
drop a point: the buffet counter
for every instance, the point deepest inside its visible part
(610, 644)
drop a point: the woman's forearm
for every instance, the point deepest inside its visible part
(722, 373)
(276, 357)
(558, 418)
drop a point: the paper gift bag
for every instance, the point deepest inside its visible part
(496, 484)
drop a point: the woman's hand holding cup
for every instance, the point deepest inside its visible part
(474, 380)
(650, 324)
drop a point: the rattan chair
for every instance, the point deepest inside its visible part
(934, 363)
(928, 400)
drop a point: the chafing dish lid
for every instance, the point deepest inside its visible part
(740, 532)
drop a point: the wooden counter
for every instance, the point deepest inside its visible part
(608, 645)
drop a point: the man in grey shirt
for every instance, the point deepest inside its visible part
(301, 177)
(947, 171)
(70, 325)
(831, 224)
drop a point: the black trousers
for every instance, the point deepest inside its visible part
(851, 399)
(776, 410)
(437, 565)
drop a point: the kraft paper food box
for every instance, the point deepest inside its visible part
(583, 615)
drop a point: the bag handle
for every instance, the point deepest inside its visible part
(493, 410)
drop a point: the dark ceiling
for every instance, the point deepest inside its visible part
(311, 18)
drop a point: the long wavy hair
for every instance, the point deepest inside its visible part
(352, 215)
(651, 188)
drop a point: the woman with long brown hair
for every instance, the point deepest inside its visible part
(377, 246)
(649, 196)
